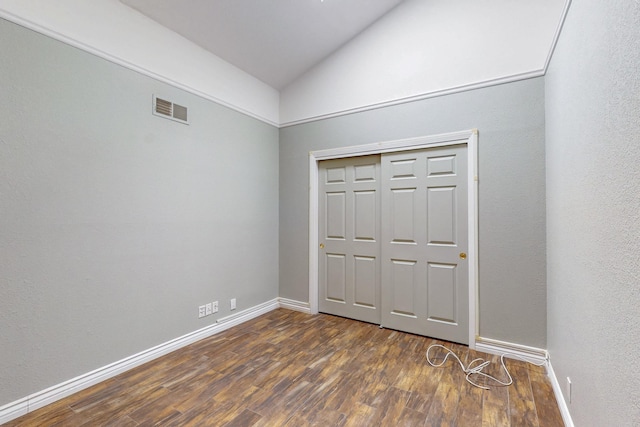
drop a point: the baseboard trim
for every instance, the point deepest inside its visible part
(557, 390)
(45, 397)
(52, 394)
(534, 354)
(14, 410)
(236, 319)
(291, 304)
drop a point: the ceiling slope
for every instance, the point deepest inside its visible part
(425, 48)
(371, 53)
(111, 30)
(275, 41)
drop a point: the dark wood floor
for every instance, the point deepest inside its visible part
(292, 369)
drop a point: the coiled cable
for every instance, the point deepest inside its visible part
(476, 366)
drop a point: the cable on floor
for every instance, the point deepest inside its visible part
(476, 366)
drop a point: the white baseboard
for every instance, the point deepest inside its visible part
(245, 315)
(562, 404)
(14, 410)
(534, 354)
(45, 397)
(295, 305)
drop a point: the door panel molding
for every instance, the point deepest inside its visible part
(349, 232)
(434, 220)
(467, 137)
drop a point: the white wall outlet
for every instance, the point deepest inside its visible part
(202, 311)
(233, 304)
(568, 390)
(208, 309)
(215, 306)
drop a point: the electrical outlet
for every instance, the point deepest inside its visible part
(215, 306)
(208, 309)
(202, 311)
(233, 304)
(568, 390)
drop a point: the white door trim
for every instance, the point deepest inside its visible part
(468, 137)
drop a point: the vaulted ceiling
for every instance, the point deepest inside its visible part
(291, 61)
(275, 41)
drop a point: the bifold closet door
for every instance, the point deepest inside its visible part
(424, 243)
(349, 236)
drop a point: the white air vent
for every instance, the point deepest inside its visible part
(169, 110)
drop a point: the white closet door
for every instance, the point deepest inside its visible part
(424, 243)
(349, 235)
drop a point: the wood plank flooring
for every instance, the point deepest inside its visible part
(291, 369)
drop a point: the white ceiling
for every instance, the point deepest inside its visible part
(273, 40)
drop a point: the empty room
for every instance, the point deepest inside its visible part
(419, 174)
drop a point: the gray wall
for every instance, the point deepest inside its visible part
(116, 224)
(593, 211)
(510, 119)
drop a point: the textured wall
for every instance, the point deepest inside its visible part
(593, 211)
(510, 119)
(116, 224)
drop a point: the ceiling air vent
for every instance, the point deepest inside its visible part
(169, 110)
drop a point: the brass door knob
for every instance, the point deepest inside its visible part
(321, 245)
(463, 255)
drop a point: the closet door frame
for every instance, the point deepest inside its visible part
(467, 137)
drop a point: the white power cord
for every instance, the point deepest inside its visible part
(474, 369)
